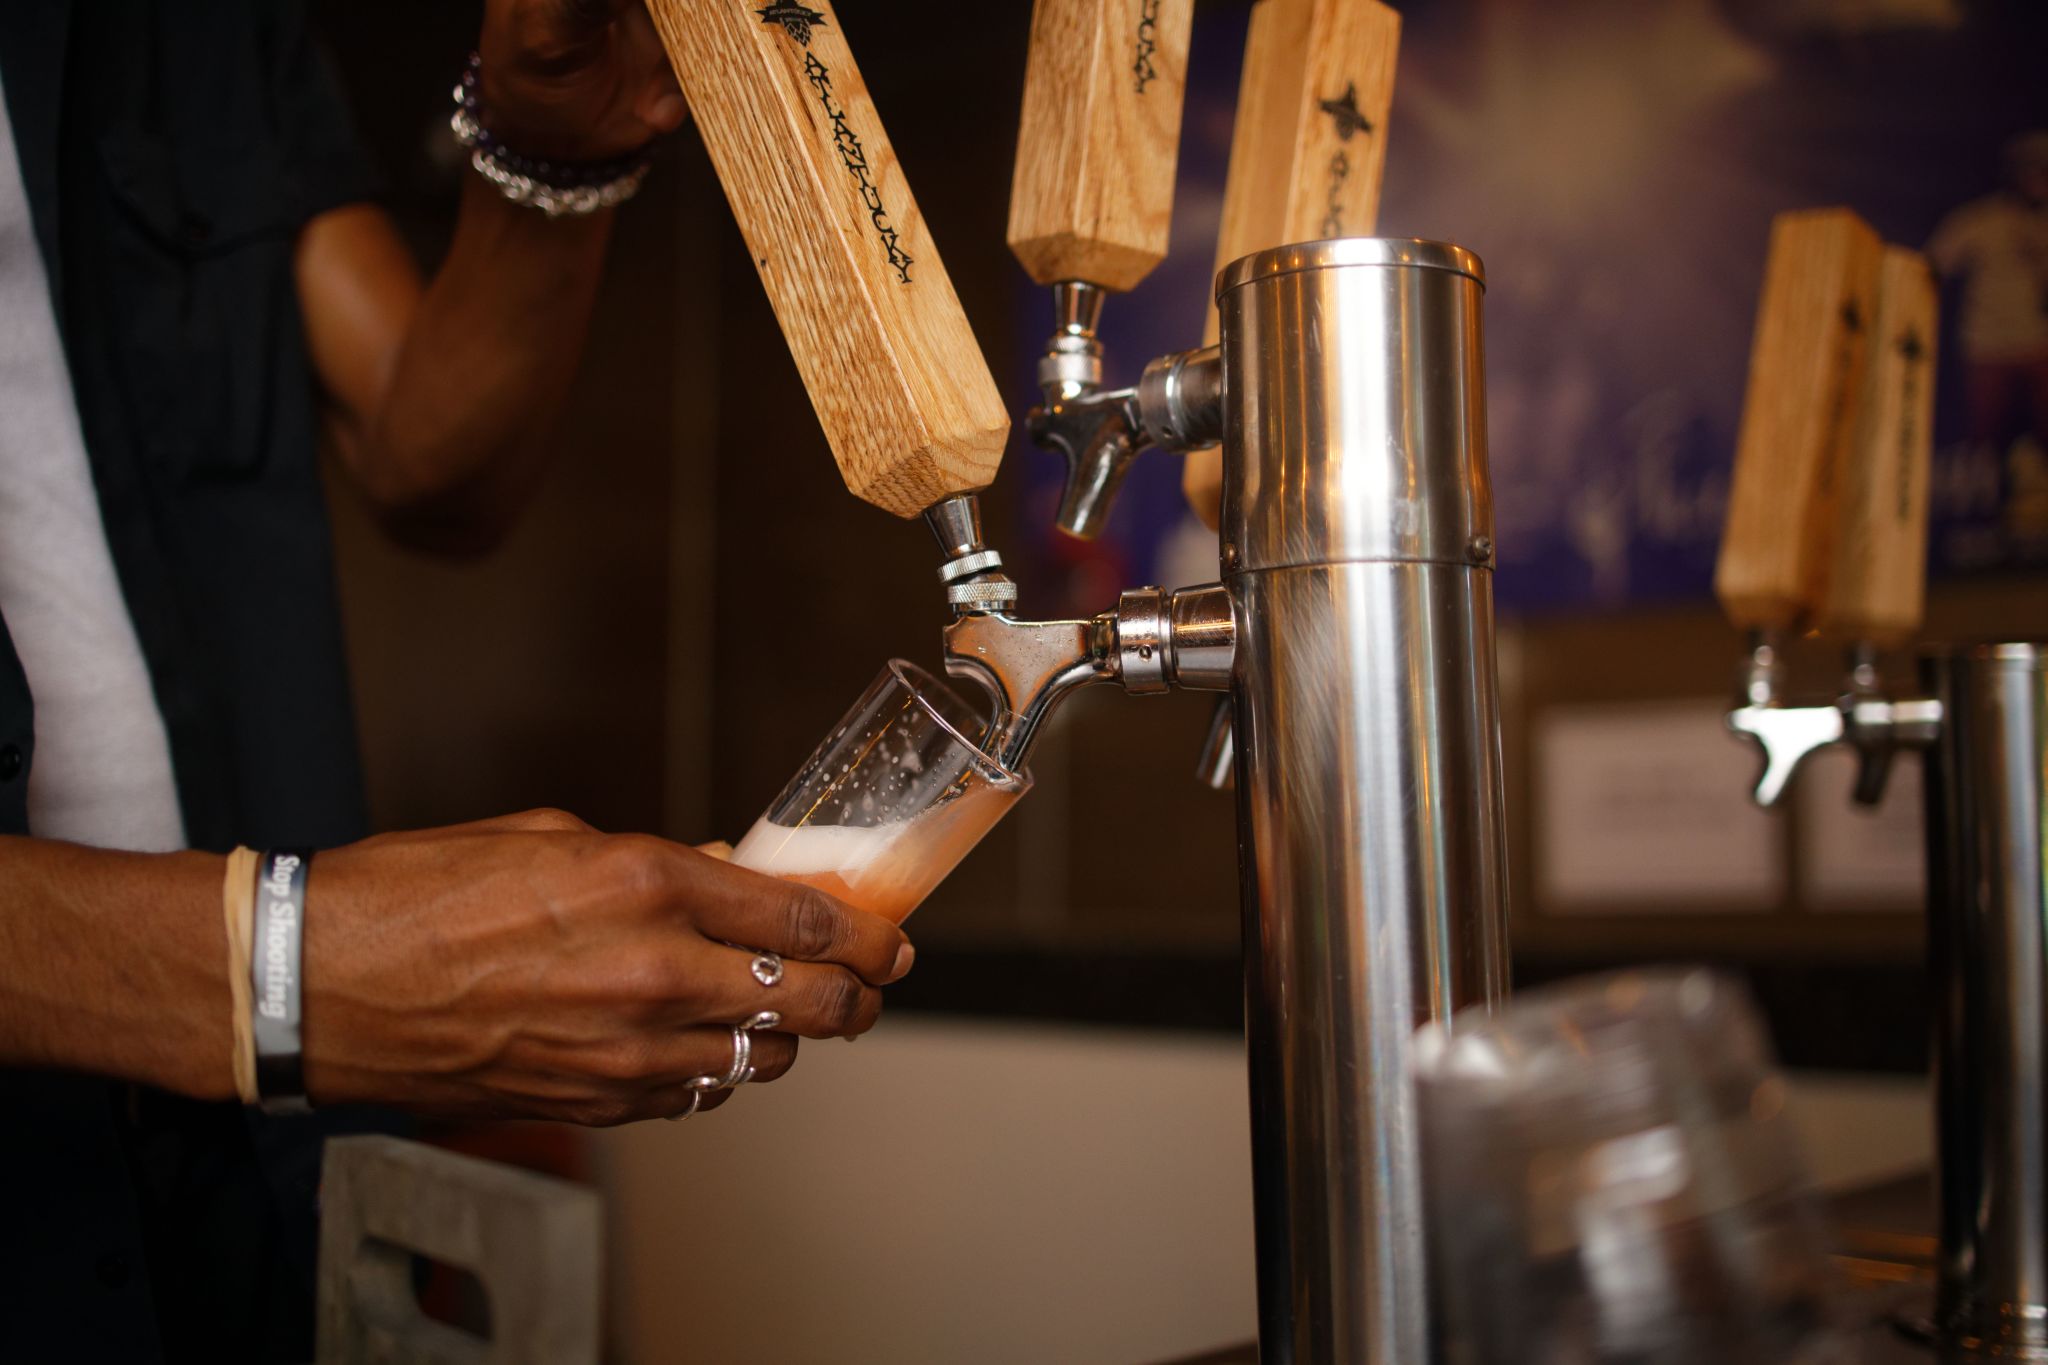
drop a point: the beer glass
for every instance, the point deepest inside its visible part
(891, 801)
(1613, 1180)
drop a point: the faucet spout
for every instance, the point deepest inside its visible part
(1028, 668)
(1098, 434)
(1152, 641)
(1176, 405)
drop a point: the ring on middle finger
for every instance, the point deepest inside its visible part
(742, 1065)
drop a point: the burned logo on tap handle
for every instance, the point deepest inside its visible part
(1148, 44)
(797, 21)
(1344, 111)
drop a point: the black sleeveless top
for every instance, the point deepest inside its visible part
(171, 150)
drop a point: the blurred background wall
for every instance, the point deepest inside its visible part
(1042, 1153)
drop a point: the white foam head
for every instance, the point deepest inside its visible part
(781, 851)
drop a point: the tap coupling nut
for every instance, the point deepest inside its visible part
(1186, 639)
(968, 565)
(996, 594)
(1071, 366)
(1144, 635)
(1180, 399)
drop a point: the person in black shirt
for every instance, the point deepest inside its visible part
(223, 289)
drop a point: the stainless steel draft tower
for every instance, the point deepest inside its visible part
(1357, 547)
(1353, 628)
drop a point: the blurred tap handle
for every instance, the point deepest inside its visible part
(1308, 150)
(1800, 416)
(1092, 194)
(900, 385)
(1876, 587)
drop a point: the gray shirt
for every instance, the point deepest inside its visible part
(102, 772)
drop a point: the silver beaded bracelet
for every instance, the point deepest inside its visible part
(555, 188)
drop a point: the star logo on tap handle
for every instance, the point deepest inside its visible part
(1344, 109)
(796, 20)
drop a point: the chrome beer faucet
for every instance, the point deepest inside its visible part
(1177, 405)
(1151, 641)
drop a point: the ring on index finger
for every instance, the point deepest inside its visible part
(767, 968)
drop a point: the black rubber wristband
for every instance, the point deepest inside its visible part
(276, 963)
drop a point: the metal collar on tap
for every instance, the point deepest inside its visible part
(1354, 406)
(1347, 251)
(973, 573)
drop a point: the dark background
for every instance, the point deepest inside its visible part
(694, 597)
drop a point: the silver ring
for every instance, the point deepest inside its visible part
(765, 1019)
(767, 968)
(696, 1098)
(742, 1066)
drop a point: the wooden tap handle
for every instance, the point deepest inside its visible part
(1806, 372)
(900, 386)
(1877, 582)
(1092, 194)
(1308, 150)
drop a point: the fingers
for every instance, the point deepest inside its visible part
(798, 922)
(662, 107)
(659, 103)
(814, 999)
(660, 1081)
(818, 1000)
(696, 1052)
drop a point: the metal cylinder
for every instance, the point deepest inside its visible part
(1357, 547)
(1988, 950)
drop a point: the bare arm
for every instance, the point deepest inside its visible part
(115, 963)
(442, 395)
(442, 398)
(521, 967)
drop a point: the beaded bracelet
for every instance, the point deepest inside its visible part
(555, 188)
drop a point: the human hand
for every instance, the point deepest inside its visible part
(530, 967)
(575, 80)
